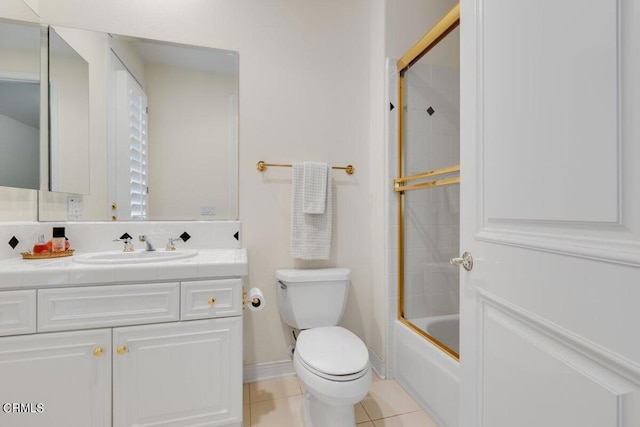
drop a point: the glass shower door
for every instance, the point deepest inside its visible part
(428, 193)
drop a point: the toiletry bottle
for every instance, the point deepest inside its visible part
(58, 241)
(40, 246)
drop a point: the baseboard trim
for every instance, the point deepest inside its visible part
(267, 371)
(378, 365)
(284, 368)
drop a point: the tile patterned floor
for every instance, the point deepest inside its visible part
(278, 403)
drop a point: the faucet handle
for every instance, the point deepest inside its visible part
(128, 247)
(171, 243)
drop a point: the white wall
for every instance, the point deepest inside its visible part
(20, 10)
(189, 140)
(311, 88)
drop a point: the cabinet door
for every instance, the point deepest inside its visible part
(59, 379)
(178, 374)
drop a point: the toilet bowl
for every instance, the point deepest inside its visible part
(333, 365)
(331, 362)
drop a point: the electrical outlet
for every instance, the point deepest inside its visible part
(74, 208)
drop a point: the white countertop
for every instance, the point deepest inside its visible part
(17, 273)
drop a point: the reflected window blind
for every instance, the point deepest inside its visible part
(138, 153)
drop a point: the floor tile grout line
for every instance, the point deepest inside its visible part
(277, 398)
(396, 415)
(300, 393)
(365, 412)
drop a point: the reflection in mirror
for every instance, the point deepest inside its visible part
(19, 105)
(172, 131)
(68, 117)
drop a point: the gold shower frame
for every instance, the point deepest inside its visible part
(447, 24)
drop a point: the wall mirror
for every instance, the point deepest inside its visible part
(68, 117)
(163, 132)
(20, 105)
(172, 136)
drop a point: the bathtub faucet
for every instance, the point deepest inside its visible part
(145, 239)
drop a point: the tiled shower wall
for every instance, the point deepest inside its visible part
(432, 215)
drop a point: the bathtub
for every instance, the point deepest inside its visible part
(445, 329)
(427, 373)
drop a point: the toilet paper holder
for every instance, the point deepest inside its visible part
(255, 301)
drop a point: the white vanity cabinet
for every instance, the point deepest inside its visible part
(125, 355)
(67, 373)
(178, 374)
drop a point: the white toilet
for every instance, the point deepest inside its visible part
(331, 361)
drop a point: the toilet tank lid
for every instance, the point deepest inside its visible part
(312, 275)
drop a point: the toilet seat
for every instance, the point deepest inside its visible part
(333, 353)
(340, 378)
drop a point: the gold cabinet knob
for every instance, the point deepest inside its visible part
(211, 300)
(121, 349)
(98, 351)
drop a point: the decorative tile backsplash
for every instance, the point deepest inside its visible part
(100, 236)
(13, 242)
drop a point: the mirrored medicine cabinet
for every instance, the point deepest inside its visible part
(138, 129)
(68, 117)
(20, 105)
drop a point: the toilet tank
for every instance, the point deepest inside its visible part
(312, 298)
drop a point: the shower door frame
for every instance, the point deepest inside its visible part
(447, 24)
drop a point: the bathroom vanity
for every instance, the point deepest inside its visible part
(146, 344)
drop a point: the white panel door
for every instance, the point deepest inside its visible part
(59, 379)
(550, 211)
(178, 374)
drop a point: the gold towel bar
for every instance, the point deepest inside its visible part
(442, 171)
(262, 166)
(445, 181)
(399, 187)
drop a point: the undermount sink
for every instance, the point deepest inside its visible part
(136, 257)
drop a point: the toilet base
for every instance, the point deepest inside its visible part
(317, 413)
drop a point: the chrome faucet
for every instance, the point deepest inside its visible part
(128, 247)
(145, 239)
(171, 244)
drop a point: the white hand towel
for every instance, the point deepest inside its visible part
(314, 187)
(310, 233)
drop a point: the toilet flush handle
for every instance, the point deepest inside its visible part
(282, 285)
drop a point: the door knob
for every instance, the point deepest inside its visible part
(121, 349)
(466, 261)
